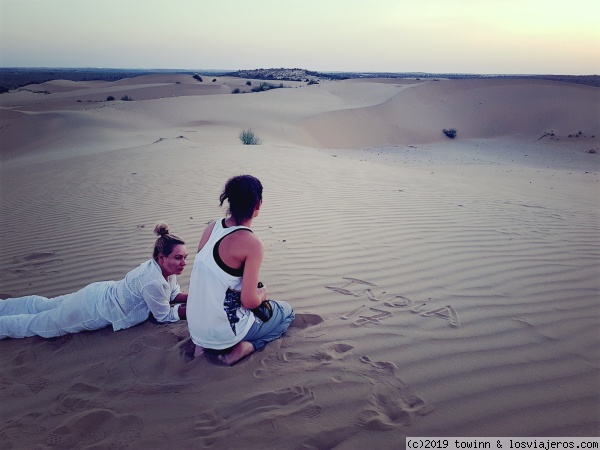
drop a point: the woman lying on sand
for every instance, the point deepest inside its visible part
(227, 312)
(149, 288)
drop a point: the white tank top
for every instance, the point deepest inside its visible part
(215, 315)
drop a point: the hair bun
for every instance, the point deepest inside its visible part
(161, 229)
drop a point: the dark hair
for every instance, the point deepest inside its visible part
(166, 242)
(243, 193)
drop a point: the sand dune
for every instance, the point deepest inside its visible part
(443, 287)
(346, 114)
(476, 108)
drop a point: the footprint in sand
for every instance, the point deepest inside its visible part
(331, 438)
(325, 354)
(22, 432)
(208, 424)
(285, 401)
(333, 351)
(253, 411)
(36, 384)
(392, 403)
(76, 398)
(303, 320)
(98, 428)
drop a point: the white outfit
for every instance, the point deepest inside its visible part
(144, 290)
(215, 315)
(123, 304)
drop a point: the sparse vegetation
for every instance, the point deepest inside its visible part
(236, 91)
(267, 87)
(248, 83)
(197, 78)
(214, 79)
(295, 74)
(110, 98)
(12, 78)
(248, 137)
(451, 133)
(126, 98)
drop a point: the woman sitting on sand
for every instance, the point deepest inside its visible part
(149, 288)
(227, 313)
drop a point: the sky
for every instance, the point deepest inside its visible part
(433, 36)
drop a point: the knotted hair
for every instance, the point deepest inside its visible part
(166, 242)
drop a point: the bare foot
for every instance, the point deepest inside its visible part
(238, 352)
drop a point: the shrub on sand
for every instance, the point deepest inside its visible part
(110, 98)
(126, 98)
(249, 138)
(267, 87)
(451, 133)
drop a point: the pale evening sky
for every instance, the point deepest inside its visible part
(435, 36)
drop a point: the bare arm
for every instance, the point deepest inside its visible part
(181, 298)
(206, 235)
(251, 295)
(156, 296)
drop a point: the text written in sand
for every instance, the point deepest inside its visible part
(371, 315)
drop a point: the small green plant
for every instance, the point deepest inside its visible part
(110, 98)
(249, 138)
(451, 133)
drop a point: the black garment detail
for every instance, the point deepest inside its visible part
(264, 311)
(224, 267)
(231, 304)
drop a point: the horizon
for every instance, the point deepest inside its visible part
(512, 37)
(199, 70)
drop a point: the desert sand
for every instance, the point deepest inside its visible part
(442, 287)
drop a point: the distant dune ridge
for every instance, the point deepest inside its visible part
(444, 287)
(344, 114)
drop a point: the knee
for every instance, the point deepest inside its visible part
(286, 310)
